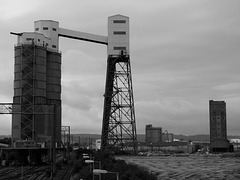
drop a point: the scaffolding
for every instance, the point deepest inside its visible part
(28, 63)
(29, 106)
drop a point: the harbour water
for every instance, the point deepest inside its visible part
(213, 167)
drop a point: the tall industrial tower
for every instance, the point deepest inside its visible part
(218, 126)
(119, 125)
(37, 85)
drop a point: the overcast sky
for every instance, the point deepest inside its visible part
(183, 54)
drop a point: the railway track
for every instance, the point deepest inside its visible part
(67, 173)
(28, 172)
(20, 172)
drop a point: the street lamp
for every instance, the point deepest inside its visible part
(101, 171)
(86, 157)
(89, 161)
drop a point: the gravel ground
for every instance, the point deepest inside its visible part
(211, 167)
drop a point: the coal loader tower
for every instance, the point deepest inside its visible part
(36, 108)
(119, 125)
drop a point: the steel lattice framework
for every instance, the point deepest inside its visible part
(119, 126)
(15, 108)
(28, 63)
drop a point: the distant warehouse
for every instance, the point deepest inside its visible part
(153, 134)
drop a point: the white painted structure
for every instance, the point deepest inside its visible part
(118, 34)
(47, 33)
(50, 30)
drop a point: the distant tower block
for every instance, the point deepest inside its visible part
(119, 126)
(153, 134)
(218, 126)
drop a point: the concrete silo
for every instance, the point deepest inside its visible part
(37, 86)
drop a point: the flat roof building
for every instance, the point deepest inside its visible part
(153, 134)
(218, 126)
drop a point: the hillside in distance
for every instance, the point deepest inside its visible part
(141, 137)
(198, 137)
(86, 138)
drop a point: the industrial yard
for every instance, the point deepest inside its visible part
(68, 110)
(194, 166)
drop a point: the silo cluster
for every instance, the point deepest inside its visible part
(37, 89)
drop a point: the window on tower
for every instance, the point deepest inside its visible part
(119, 32)
(119, 21)
(119, 48)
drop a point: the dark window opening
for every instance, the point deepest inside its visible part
(45, 28)
(119, 48)
(54, 29)
(119, 32)
(36, 29)
(119, 21)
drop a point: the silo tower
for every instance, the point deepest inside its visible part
(37, 85)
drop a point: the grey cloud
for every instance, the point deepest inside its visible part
(183, 53)
(77, 95)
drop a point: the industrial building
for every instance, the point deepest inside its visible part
(37, 87)
(36, 108)
(218, 126)
(153, 134)
(118, 125)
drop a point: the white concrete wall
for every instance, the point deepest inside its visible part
(116, 42)
(49, 29)
(29, 37)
